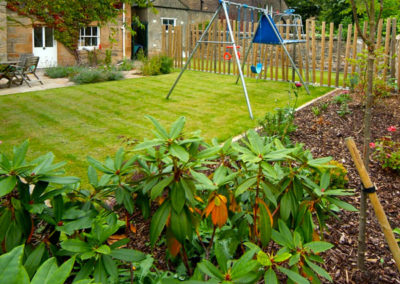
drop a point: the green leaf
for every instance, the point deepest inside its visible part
(208, 268)
(181, 226)
(325, 180)
(245, 185)
(294, 276)
(179, 152)
(286, 206)
(99, 166)
(270, 277)
(129, 255)
(158, 222)
(320, 162)
(342, 204)
(60, 180)
(45, 271)
(149, 144)
(75, 245)
(92, 176)
(110, 266)
(294, 259)
(200, 177)
(61, 274)
(11, 269)
(265, 226)
(103, 249)
(256, 141)
(159, 187)
(119, 158)
(222, 254)
(318, 246)
(177, 197)
(20, 153)
(33, 261)
(7, 185)
(282, 257)
(177, 127)
(319, 270)
(159, 128)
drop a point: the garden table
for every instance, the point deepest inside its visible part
(7, 71)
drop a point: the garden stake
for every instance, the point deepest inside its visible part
(379, 212)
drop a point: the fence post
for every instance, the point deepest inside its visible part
(387, 50)
(338, 61)
(354, 52)
(347, 54)
(314, 52)
(307, 51)
(322, 61)
(331, 28)
(393, 50)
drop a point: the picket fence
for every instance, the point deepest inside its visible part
(324, 59)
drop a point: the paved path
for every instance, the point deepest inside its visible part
(48, 83)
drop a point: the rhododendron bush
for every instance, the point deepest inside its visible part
(234, 212)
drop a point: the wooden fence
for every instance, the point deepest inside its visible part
(325, 57)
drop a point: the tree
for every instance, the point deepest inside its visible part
(360, 7)
(67, 17)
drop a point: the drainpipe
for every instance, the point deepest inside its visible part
(123, 30)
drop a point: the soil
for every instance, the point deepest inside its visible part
(325, 135)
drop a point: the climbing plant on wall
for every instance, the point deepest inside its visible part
(67, 17)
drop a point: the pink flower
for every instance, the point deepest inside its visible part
(392, 128)
(372, 145)
(298, 84)
(388, 155)
(322, 189)
(345, 92)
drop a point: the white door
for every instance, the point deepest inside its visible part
(45, 46)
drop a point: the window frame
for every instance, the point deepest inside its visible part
(168, 19)
(84, 36)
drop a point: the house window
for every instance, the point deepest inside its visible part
(89, 37)
(168, 22)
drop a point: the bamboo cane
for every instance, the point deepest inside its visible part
(379, 212)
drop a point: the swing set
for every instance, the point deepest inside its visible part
(267, 32)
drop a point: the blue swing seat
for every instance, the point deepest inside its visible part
(266, 33)
(257, 69)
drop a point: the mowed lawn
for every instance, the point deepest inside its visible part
(94, 119)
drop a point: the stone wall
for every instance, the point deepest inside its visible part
(3, 31)
(18, 38)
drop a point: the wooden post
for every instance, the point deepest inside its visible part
(163, 39)
(286, 58)
(338, 60)
(379, 212)
(378, 42)
(208, 57)
(215, 48)
(187, 41)
(195, 61)
(220, 53)
(265, 49)
(347, 54)
(321, 81)
(387, 50)
(281, 58)
(314, 52)
(223, 45)
(272, 60)
(393, 50)
(331, 29)
(300, 57)
(354, 52)
(170, 28)
(307, 51)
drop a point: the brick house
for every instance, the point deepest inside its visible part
(16, 39)
(181, 12)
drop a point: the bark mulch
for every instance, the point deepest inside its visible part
(325, 135)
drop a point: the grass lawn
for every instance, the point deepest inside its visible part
(77, 121)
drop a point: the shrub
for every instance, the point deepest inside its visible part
(279, 124)
(387, 151)
(167, 64)
(95, 75)
(62, 71)
(156, 65)
(126, 65)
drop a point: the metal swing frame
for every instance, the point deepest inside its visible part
(224, 7)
